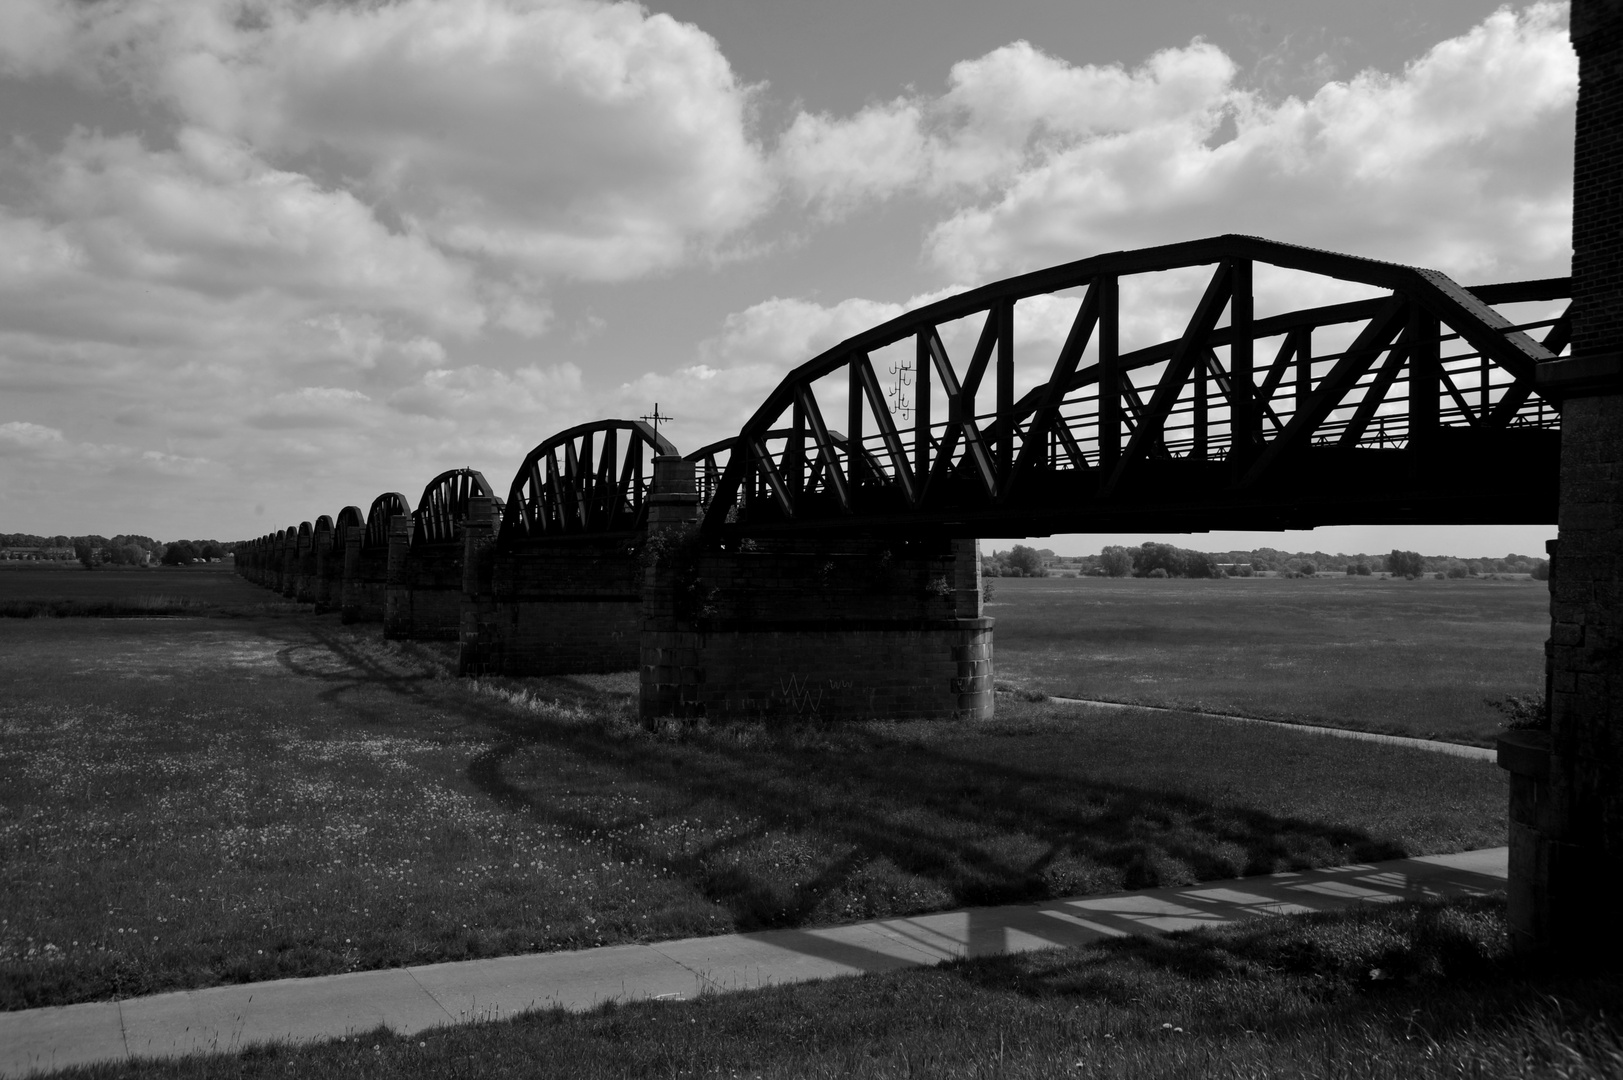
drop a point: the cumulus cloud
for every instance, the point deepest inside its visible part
(565, 137)
(1038, 161)
(325, 222)
(212, 221)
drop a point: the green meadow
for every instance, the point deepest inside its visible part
(258, 792)
(223, 787)
(1424, 658)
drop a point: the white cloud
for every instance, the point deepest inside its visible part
(213, 221)
(1000, 112)
(1445, 165)
(21, 435)
(564, 137)
(35, 37)
(1038, 161)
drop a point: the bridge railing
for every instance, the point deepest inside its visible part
(592, 478)
(1396, 370)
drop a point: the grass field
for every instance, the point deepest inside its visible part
(69, 590)
(1408, 992)
(1420, 658)
(191, 801)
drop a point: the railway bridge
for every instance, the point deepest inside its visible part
(823, 560)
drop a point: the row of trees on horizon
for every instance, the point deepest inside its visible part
(1152, 559)
(125, 549)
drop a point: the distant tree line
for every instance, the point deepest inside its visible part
(1153, 559)
(1018, 561)
(122, 550)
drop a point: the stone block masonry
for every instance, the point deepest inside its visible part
(561, 608)
(808, 629)
(424, 591)
(1567, 786)
(366, 572)
(557, 606)
(329, 573)
(800, 672)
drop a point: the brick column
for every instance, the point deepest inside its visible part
(1567, 786)
(288, 583)
(973, 684)
(349, 588)
(304, 575)
(397, 620)
(475, 641)
(669, 652)
(322, 590)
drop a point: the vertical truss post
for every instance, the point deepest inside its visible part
(1005, 391)
(922, 364)
(853, 425)
(607, 469)
(1245, 418)
(1304, 367)
(794, 454)
(1199, 411)
(1425, 377)
(1109, 371)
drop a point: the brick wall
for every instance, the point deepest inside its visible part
(793, 629)
(426, 603)
(363, 588)
(1597, 197)
(556, 607)
(1567, 822)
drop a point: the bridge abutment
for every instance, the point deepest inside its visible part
(1567, 784)
(811, 629)
(326, 582)
(359, 597)
(397, 615)
(555, 607)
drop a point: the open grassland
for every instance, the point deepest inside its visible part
(1408, 991)
(1420, 658)
(64, 591)
(195, 801)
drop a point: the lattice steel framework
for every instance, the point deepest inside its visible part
(444, 505)
(590, 479)
(390, 504)
(1413, 403)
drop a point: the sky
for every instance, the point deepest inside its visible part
(260, 259)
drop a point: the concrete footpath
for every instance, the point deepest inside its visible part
(1436, 746)
(411, 999)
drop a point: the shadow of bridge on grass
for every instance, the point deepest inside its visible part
(880, 824)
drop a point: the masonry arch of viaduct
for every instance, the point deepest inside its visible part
(795, 569)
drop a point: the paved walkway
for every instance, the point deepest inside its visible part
(1478, 753)
(411, 999)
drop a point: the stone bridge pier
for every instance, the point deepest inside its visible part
(808, 629)
(550, 607)
(1567, 785)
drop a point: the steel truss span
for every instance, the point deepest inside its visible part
(391, 504)
(1401, 397)
(588, 480)
(444, 506)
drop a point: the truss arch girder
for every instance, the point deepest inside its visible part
(1236, 396)
(444, 505)
(384, 509)
(590, 479)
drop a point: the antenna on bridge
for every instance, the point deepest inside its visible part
(898, 393)
(656, 419)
